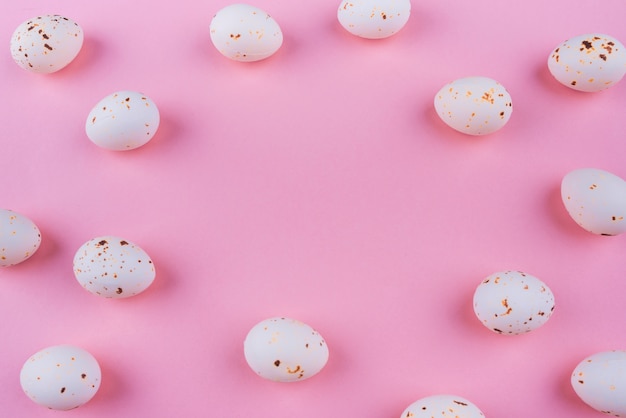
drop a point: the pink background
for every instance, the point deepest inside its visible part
(320, 185)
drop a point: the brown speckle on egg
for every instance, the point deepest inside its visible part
(294, 371)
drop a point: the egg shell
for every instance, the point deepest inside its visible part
(285, 350)
(374, 19)
(45, 44)
(245, 33)
(113, 267)
(122, 121)
(442, 406)
(19, 238)
(513, 302)
(474, 105)
(596, 200)
(61, 377)
(590, 62)
(600, 381)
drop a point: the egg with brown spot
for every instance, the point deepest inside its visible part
(474, 105)
(113, 267)
(123, 121)
(245, 33)
(513, 302)
(19, 238)
(444, 406)
(374, 19)
(285, 350)
(61, 377)
(591, 62)
(46, 44)
(596, 200)
(600, 381)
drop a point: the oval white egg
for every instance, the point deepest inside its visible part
(113, 267)
(596, 200)
(474, 105)
(513, 302)
(442, 406)
(589, 62)
(374, 19)
(243, 32)
(285, 350)
(45, 44)
(122, 121)
(61, 377)
(19, 238)
(600, 381)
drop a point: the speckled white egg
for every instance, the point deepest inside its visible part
(61, 377)
(19, 238)
(596, 200)
(285, 350)
(600, 381)
(123, 121)
(113, 267)
(590, 62)
(474, 105)
(45, 44)
(374, 19)
(513, 302)
(442, 406)
(243, 32)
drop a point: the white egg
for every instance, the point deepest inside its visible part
(442, 406)
(600, 381)
(61, 377)
(113, 267)
(123, 121)
(474, 105)
(245, 33)
(285, 350)
(513, 302)
(45, 44)
(374, 19)
(590, 62)
(596, 200)
(19, 238)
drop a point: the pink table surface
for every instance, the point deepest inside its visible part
(318, 184)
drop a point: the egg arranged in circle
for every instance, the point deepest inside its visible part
(19, 238)
(245, 33)
(444, 406)
(46, 44)
(122, 121)
(112, 267)
(474, 105)
(374, 19)
(600, 381)
(513, 302)
(61, 377)
(590, 62)
(285, 350)
(596, 200)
